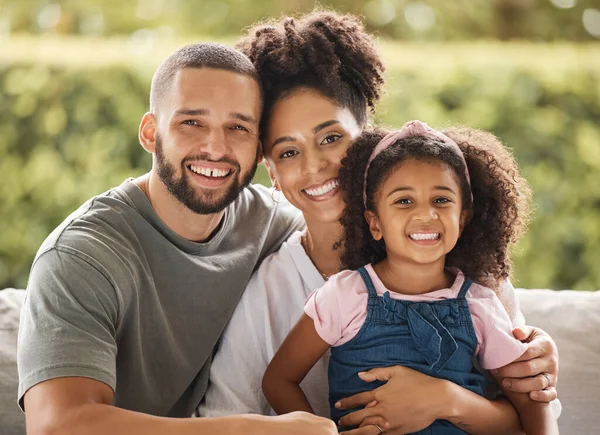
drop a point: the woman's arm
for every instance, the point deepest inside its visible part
(536, 417)
(411, 401)
(301, 349)
(526, 374)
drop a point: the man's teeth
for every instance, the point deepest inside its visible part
(424, 236)
(323, 189)
(210, 172)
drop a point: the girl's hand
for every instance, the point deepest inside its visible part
(408, 402)
(536, 371)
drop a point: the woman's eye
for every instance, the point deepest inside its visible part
(288, 154)
(330, 139)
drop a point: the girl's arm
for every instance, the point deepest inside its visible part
(411, 400)
(301, 349)
(536, 417)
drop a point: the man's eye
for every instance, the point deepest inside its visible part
(240, 128)
(190, 122)
(288, 154)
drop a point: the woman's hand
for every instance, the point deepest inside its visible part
(409, 402)
(536, 371)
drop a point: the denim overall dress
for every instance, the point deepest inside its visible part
(436, 338)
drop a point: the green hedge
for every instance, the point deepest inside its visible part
(70, 131)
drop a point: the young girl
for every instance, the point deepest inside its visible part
(424, 218)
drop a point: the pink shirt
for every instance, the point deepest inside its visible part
(339, 310)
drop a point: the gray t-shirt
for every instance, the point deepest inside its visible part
(115, 295)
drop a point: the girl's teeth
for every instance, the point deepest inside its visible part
(425, 236)
(215, 173)
(323, 189)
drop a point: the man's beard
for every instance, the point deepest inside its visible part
(207, 201)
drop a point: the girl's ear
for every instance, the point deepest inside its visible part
(465, 217)
(272, 176)
(373, 222)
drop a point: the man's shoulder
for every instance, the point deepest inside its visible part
(100, 224)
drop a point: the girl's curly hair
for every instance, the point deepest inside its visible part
(500, 203)
(323, 51)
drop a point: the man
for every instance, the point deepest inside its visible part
(129, 295)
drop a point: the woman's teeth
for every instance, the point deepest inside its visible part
(319, 191)
(210, 172)
(424, 236)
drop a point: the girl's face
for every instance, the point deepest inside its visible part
(307, 137)
(419, 212)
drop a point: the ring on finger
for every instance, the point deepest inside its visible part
(380, 429)
(548, 382)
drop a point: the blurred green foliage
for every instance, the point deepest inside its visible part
(69, 131)
(406, 19)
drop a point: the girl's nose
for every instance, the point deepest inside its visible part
(426, 214)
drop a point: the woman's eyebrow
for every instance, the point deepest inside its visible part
(281, 140)
(325, 124)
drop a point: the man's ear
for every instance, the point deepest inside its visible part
(147, 132)
(465, 217)
(373, 222)
(260, 152)
(272, 176)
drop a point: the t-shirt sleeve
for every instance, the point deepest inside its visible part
(511, 302)
(67, 325)
(241, 359)
(339, 308)
(498, 346)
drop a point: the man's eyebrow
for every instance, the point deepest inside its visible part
(325, 124)
(246, 118)
(192, 112)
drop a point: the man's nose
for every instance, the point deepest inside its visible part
(215, 143)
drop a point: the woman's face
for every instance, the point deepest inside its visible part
(307, 137)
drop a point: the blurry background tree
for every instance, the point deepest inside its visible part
(74, 80)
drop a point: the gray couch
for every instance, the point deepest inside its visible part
(572, 318)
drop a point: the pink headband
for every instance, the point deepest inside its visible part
(412, 128)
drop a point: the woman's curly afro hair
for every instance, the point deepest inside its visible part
(500, 205)
(322, 51)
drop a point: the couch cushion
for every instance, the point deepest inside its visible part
(572, 318)
(13, 421)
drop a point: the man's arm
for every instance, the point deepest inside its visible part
(80, 406)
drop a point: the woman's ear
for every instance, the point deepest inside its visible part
(465, 217)
(271, 173)
(374, 227)
(147, 132)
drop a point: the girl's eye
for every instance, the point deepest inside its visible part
(330, 139)
(288, 154)
(441, 201)
(403, 201)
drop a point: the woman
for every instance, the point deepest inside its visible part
(320, 74)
